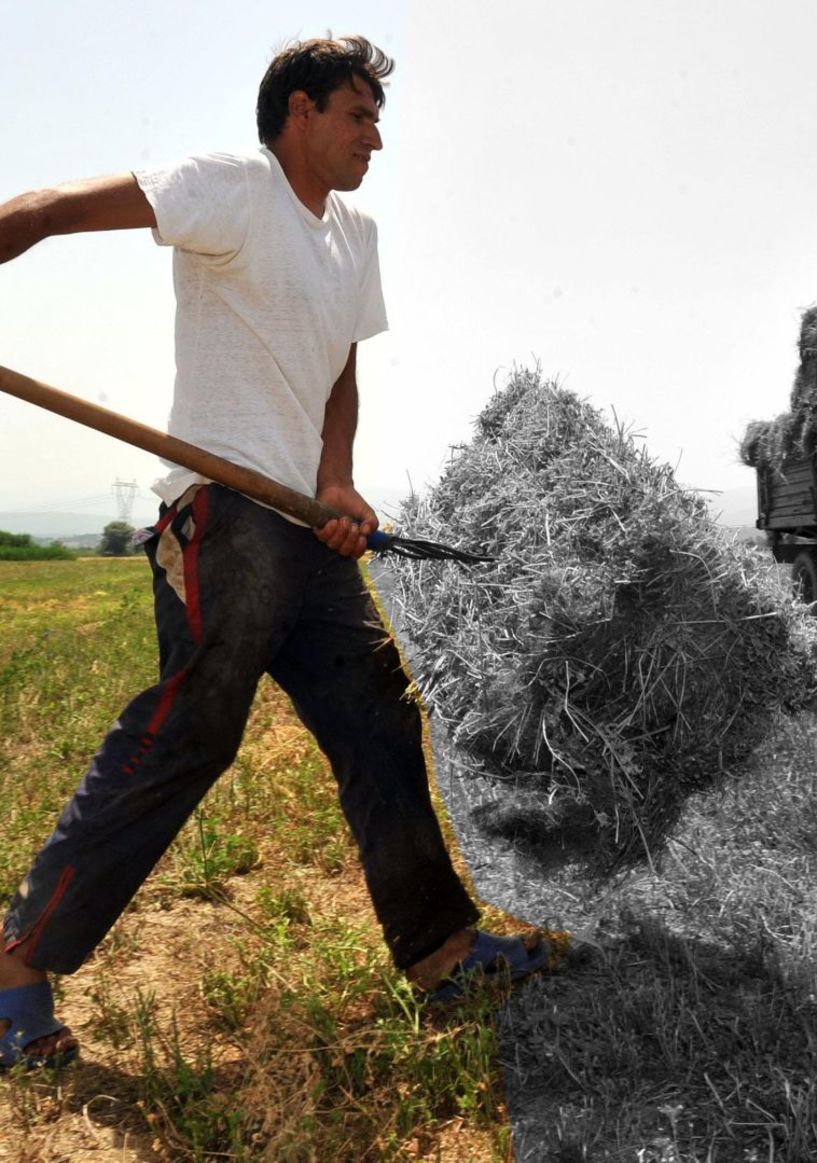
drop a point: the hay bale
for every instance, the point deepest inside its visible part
(619, 653)
(793, 434)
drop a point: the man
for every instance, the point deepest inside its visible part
(276, 282)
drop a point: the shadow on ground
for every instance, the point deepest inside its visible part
(662, 1050)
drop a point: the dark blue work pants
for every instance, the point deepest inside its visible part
(240, 591)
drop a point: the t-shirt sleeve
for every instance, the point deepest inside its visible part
(371, 316)
(201, 204)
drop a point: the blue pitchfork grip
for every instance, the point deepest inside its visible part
(378, 540)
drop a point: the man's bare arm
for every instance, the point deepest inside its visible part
(113, 203)
(335, 484)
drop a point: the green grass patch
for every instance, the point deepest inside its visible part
(76, 643)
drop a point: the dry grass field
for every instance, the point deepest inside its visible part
(244, 1008)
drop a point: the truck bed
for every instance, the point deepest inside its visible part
(787, 498)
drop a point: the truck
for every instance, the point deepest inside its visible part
(787, 512)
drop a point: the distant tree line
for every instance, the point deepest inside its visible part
(22, 547)
(115, 542)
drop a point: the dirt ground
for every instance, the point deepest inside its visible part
(90, 1112)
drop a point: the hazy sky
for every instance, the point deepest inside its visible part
(622, 192)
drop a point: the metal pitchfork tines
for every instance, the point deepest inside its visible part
(215, 468)
(422, 550)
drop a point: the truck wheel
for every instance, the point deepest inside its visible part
(804, 578)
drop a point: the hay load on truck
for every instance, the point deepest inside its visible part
(783, 452)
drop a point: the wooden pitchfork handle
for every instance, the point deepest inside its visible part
(215, 468)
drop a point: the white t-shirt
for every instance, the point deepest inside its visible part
(269, 299)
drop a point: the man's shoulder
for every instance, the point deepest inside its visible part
(352, 217)
(217, 163)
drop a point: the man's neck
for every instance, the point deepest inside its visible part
(308, 189)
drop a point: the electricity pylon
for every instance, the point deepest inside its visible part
(125, 492)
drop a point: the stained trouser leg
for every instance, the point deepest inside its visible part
(258, 593)
(345, 678)
(223, 590)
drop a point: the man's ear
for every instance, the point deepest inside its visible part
(300, 106)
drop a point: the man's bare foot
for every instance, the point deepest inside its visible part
(13, 973)
(428, 973)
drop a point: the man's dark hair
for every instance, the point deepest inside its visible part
(318, 67)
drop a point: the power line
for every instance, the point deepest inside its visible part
(55, 506)
(71, 503)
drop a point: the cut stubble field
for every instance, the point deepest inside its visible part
(244, 1008)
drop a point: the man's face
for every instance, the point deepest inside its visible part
(339, 140)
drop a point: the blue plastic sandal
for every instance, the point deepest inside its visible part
(30, 1010)
(505, 958)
